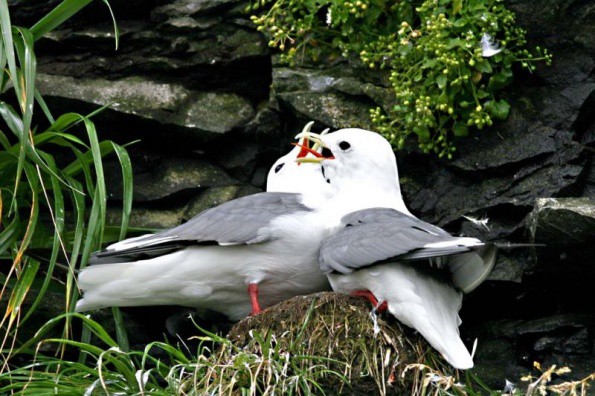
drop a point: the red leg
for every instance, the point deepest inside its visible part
(382, 307)
(253, 292)
(379, 307)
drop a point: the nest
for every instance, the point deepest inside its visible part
(368, 354)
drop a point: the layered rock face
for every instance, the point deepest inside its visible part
(212, 108)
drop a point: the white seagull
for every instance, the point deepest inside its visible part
(417, 269)
(237, 258)
(288, 175)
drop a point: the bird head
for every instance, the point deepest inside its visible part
(289, 175)
(356, 161)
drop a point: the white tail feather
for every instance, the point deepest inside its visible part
(469, 270)
(429, 305)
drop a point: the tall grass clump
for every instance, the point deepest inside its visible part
(52, 186)
(215, 366)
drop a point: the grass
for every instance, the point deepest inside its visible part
(309, 357)
(52, 185)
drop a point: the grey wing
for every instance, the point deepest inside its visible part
(244, 220)
(371, 236)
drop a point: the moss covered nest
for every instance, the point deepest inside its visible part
(344, 348)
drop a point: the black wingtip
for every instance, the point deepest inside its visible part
(134, 254)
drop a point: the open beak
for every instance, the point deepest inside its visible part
(317, 148)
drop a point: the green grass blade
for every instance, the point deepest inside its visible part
(13, 121)
(94, 230)
(94, 327)
(58, 227)
(64, 122)
(9, 235)
(79, 230)
(86, 338)
(21, 289)
(28, 63)
(24, 282)
(6, 28)
(121, 334)
(116, 30)
(4, 141)
(83, 346)
(26, 148)
(3, 74)
(127, 189)
(98, 209)
(57, 16)
(33, 182)
(58, 138)
(44, 107)
(83, 162)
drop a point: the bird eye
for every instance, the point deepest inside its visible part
(344, 145)
(278, 167)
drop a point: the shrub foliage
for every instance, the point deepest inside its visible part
(445, 60)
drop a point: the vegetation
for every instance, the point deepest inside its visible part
(446, 60)
(264, 363)
(52, 187)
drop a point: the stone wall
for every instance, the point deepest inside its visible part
(212, 108)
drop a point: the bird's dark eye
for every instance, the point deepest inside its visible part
(344, 145)
(278, 167)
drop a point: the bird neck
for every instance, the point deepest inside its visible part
(368, 193)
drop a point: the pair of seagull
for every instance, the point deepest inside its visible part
(333, 212)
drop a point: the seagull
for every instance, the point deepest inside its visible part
(380, 250)
(236, 258)
(288, 175)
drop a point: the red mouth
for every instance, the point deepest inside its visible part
(305, 150)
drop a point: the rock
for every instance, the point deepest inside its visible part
(333, 97)
(508, 348)
(302, 80)
(538, 140)
(216, 196)
(217, 112)
(508, 269)
(442, 197)
(568, 221)
(149, 218)
(137, 96)
(171, 214)
(563, 110)
(157, 179)
(589, 189)
(339, 327)
(334, 110)
(206, 114)
(192, 8)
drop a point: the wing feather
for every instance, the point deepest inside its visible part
(245, 220)
(378, 235)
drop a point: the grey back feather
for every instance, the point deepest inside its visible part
(245, 220)
(376, 235)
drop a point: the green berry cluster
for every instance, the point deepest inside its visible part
(446, 60)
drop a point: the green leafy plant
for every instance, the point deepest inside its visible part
(52, 186)
(216, 367)
(446, 59)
